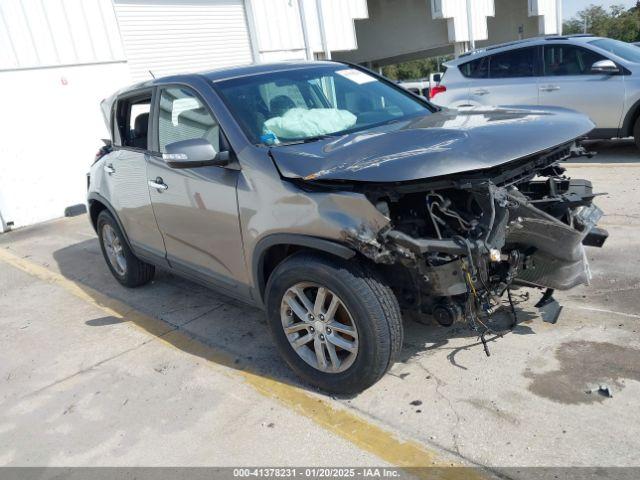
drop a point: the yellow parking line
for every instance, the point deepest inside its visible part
(341, 422)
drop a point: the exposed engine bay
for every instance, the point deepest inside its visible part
(457, 244)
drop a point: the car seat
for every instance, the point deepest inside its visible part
(139, 133)
(280, 105)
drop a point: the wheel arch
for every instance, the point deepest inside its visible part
(630, 120)
(272, 250)
(97, 203)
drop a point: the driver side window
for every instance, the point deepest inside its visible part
(566, 60)
(183, 116)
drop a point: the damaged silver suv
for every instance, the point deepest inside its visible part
(334, 199)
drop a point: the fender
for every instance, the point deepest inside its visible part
(627, 125)
(96, 197)
(315, 243)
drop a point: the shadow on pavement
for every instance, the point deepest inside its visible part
(104, 321)
(227, 332)
(610, 151)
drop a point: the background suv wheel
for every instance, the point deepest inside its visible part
(335, 323)
(636, 132)
(124, 265)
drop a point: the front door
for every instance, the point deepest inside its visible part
(196, 208)
(568, 82)
(126, 174)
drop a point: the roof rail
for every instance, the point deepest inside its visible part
(471, 52)
(508, 44)
(567, 37)
(500, 45)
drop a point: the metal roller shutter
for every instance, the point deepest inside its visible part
(171, 36)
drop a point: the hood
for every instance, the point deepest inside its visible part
(442, 143)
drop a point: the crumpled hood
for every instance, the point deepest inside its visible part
(443, 143)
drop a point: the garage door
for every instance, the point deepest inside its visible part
(180, 36)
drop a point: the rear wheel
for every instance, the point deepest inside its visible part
(335, 323)
(636, 132)
(124, 265)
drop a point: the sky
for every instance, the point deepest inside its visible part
(571, 7)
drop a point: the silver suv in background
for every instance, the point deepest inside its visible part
(596, 76)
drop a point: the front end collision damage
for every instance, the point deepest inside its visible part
(454, 246)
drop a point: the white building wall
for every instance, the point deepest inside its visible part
(280, 33)
(55, 129)
(339, 16)
(58, 59)
(278, 29)
(57, 32)
(455, 11)
(548, 14)
(168, 37)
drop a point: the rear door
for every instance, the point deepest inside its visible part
(126, 173)
(506, 78)
(196, 209)
(569, 82)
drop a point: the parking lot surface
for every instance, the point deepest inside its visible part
(174, 374)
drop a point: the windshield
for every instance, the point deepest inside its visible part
(309, 103)
(623, 50)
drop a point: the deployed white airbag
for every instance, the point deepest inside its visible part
(302, 123)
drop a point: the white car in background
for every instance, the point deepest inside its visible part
(422, 86)
(597, 76)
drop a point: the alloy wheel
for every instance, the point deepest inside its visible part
(319, 327)
(113, 247)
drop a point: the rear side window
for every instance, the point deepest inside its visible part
(566, 60)
(183, 116)
(132, 121)
(476, 69)
(513, 63)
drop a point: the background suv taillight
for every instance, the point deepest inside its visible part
(436, 90)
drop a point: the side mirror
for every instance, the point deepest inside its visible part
(194, 153)
(605, 66)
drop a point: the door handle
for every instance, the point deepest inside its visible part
(550, 88)
(158, 184)
(480, 91)
(109, 169)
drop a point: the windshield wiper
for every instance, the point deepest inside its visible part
(303, 140)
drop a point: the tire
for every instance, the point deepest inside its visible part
(636, 132)
(366, 302)
(130, 271)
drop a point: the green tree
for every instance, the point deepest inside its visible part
(414, 69)
(617, 22)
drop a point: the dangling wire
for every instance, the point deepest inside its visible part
(472, 306)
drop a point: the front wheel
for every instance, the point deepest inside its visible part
(129, 270)
(636, 132)
(335, 323)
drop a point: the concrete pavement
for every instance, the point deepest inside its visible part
(88, 377)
